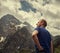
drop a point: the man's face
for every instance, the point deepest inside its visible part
(40, 23)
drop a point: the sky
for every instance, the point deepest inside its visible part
(33, 10)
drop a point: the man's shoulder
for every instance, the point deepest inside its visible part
(37, 28)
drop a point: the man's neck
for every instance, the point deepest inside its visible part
(42, 26)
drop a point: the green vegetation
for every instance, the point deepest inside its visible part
(57, 50)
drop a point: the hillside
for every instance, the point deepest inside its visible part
(15, 37)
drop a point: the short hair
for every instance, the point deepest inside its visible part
(45, 22)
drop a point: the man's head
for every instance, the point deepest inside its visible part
(42, 22)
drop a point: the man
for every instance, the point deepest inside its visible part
(42, 38)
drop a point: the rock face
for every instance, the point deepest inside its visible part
(15, 40)
(56, 44)
(7, 23)
(56, 41)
